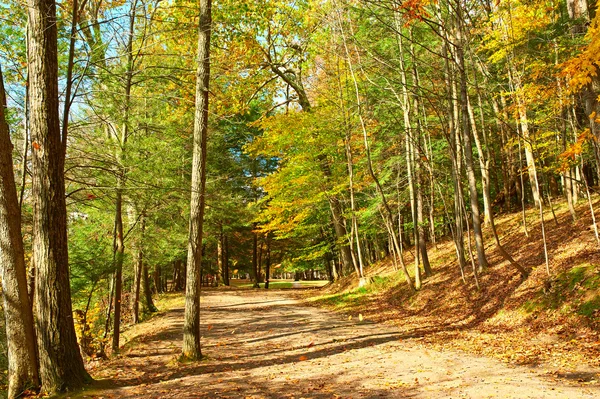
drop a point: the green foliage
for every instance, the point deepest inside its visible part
(362, 296)
(90, 253)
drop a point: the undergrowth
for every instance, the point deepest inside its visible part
(576, 290)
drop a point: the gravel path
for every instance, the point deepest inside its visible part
(266, 345)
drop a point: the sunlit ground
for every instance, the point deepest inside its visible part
(277, 283)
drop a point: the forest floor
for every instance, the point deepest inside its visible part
(551, 318)
(270, 344)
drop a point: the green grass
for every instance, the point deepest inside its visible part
(589, 308)
(576, 290)
(359, 296)
(171, 300)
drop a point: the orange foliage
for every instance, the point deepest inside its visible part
(568, 157)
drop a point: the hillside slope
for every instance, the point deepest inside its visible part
(551, 320)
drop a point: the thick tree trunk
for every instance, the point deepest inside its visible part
(191, 327)
(22, 358)
(61, 365)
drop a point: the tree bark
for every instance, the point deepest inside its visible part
(122, 174)
(467, 144)
(137, 274)
(119, 253)
(225, 260)
(191, 328)
(146, 293)
(22, 358)
(157, 276)
(61, 365)
(255, 271)
(268, 262)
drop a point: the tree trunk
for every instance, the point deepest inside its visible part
(225, 260)
(191, 329)
(61, 365)
(452, 138)
(484, 164)
(420, 223)
(268, 262)
(137, 274)
(146, 293)
(119, 253)
(120, 156)
(468, 147)
(220, 269)
(157, 280)
(22, 358)
(340, 232)
(260, 262)
(255, 259)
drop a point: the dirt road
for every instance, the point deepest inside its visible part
(266, 345)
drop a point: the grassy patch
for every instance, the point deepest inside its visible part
(589, 308)
(343, 300)
(359, 296)
(170, 301)
(576, 290)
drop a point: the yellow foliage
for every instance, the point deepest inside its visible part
(581, 69)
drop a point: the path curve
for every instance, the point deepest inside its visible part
(262, 344)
